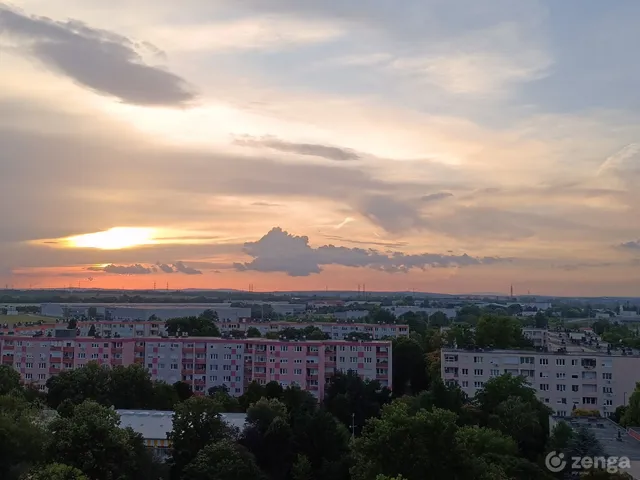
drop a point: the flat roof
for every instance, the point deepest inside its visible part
(156, 424)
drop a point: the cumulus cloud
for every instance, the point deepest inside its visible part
(165, 268)
(632, 245)
(136, 269)
(274, 143)
(100, 60)
(280, 251)
(434, 197)
(180, 267)
(139, 269)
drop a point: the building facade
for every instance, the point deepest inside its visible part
(203, 362)
(593, 381)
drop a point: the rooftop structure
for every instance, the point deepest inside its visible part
(615, 440)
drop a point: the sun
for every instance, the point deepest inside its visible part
(117, 238)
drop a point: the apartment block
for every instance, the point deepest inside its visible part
(204, 362)
(589, 380)
(336, 331)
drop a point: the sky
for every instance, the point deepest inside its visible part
(457, 146)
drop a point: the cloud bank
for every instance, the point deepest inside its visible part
(280, 251)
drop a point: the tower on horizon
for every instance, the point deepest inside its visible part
(511, 290)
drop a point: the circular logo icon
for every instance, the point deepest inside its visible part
(554, 462)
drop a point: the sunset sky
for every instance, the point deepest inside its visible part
(445, 146)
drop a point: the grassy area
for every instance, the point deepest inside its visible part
(24, 318)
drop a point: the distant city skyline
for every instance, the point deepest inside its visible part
(446, 147)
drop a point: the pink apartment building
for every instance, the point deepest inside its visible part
(203, 362)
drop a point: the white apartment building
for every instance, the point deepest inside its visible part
(588, 380)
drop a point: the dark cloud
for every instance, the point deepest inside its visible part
(136, 269)
(102, 61)
(434, 197)
(279, 251)
(165, 268)
(139, 269)
(180, 267)
(265, 204)
(274, 143)
(632, 245)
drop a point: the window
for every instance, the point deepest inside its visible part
(213, 367)
(284, 348)
(297, 348)
(607, 376)
(574, 363)
(608, 403)
(174, 366)
(213, 356)
(560, 362)
(544, 387)
(465, 371)
(544, 361)
(495, 373)
(478, 372)
(607, 390)
(227, 356)
(283, 371)
(544, 374)
(477, 359)
(353, 359)
(465, 384)
(575, 388)
(561, 388)
(297, 371)
(478, 384)
(29, 365)
(561, 375)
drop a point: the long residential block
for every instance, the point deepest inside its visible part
(587, 380)
(127, 329)
(203, 362)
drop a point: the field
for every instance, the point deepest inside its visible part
(24, 318)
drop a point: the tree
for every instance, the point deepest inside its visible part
(499, 332)
(510, 405)
(183, 390)
(130, 387)
(631, 415)
(91, 382)
(92, 441)
(251, 395)
(253, 332)
(222, 460)
(301, 469)
(164, 396)
(409, 367)
(55, 471)
(269, 437)
(9, 379)
(73, 323)
(273, 390)
(201, 326)
(21, 436)
(560, 437)
(92, 312)
(324, 442)
(584, 443)
(424, 445)
(353, 400)
(92, 331)
(196, 423)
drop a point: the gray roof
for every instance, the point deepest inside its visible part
(156, 424)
